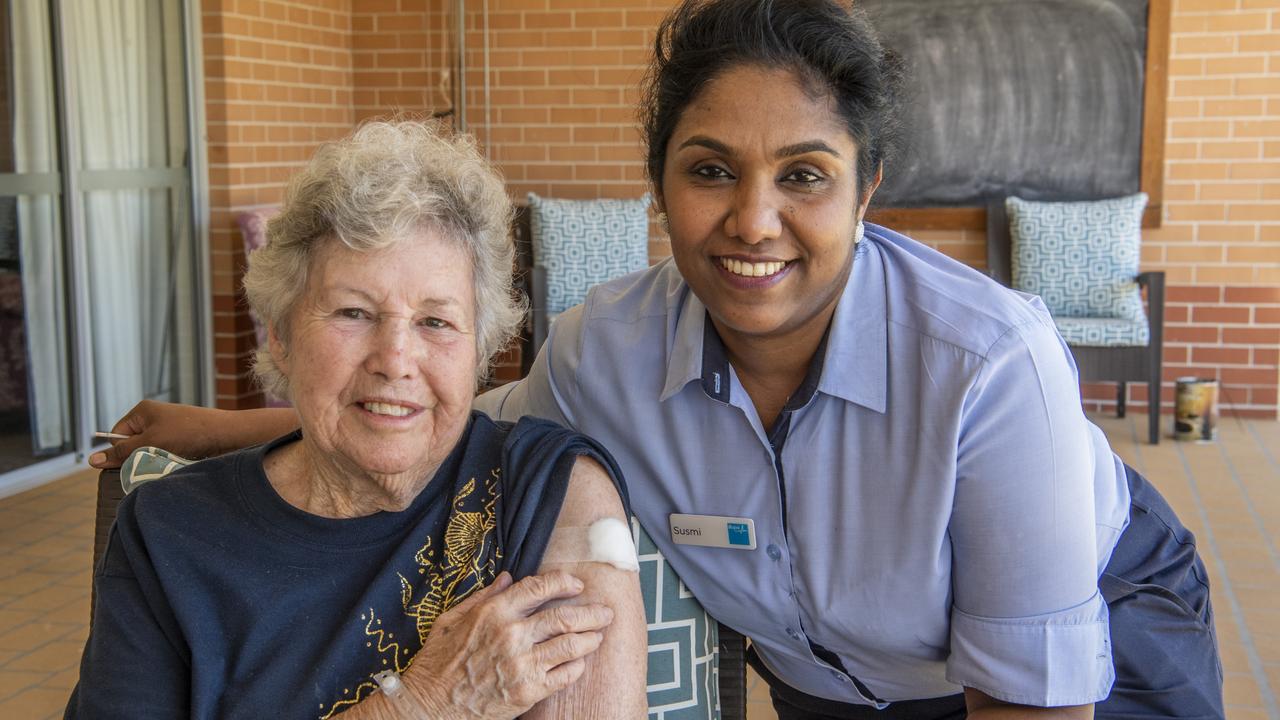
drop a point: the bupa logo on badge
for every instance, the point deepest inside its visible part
(739, 534)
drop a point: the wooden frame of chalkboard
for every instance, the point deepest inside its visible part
(1151, 163)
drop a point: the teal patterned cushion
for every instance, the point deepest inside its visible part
(581, 243)
(1103, 332)
(684, 642)
(1081, 258)
(146, 464)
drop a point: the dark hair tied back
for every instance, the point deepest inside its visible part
(831, 48)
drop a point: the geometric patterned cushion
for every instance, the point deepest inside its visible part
(146, 464)
(582, 243)
(1081, 258)
(684, 642)
(1103, 332)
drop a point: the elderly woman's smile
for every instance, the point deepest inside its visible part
(380, 355)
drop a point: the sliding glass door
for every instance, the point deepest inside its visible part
(99, 270)
(128, 152)
(35, 359)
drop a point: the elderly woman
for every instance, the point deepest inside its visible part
(382, 561)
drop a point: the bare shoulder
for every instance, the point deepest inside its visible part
(591, 496)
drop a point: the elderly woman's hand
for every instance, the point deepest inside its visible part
(500, 652)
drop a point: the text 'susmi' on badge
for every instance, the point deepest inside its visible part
(716, 531)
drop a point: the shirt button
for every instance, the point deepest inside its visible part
(793, 634)
(839, 676)
(774, 551)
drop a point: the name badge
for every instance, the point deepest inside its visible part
(717, 531)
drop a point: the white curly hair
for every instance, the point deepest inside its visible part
(374, 189)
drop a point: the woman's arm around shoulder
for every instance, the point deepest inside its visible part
(192, 432)
(613, 681)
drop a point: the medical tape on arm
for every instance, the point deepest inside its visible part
(607, 541)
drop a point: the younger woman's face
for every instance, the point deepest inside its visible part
(760, 188)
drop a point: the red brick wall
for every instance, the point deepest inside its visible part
(277, 83)
(560, 121)
(401, 57)
(562, 95)
(563, 77)
(1220, 244)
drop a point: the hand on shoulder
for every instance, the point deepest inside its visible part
(192, 432)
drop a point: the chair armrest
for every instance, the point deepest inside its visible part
(110, 493)
(733, 674)
(522, 236)
(1150, 278)
(1153, 281)
(538, 306)
(999, 243)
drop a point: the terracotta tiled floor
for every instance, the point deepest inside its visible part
(1227, 492)
(46, 550)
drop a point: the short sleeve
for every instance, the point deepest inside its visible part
(537, 462)
(1028, 624)
(134, 663)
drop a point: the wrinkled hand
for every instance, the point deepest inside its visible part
(500, 652)
(181, 429)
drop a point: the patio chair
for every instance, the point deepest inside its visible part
(1082, 259)
(564, 247)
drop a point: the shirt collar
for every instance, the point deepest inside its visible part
(857, 361)
(684, 362)
(854, 366)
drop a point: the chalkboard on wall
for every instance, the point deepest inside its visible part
(1044, 99)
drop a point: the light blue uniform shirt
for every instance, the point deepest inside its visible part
(941, 509)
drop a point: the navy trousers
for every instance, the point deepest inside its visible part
(1163, 643)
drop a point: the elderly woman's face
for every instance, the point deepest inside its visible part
(381, 357)
(760, 190)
